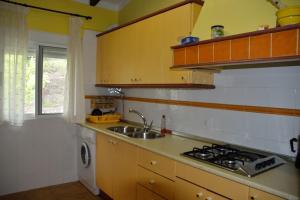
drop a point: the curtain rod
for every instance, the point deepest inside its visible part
(50, 10)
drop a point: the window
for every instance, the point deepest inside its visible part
(45, 80)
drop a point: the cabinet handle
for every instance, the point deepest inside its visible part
(151, 182)
(153, 162)
(200, 194)
(252, 198)
(183, 79)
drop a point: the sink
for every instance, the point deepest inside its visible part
(135, 132)
(125, 129)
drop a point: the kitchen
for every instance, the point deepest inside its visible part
(39, 159)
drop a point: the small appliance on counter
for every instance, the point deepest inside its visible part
(297, 162)
(233, 159)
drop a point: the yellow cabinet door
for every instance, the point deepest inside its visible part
(125, 171)
(176, 26)
(145, 194)
(104, 162)
(116, 56)
(255, 194)
(116, 167)
(148, 69)
(140, 53)
(125, 58)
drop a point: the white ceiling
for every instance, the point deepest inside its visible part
(109, 4)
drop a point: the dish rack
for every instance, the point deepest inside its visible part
(103, 103)
(107, 118)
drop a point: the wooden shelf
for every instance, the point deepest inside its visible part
(267, 48)
(191, 86)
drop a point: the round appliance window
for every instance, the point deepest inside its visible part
(85, 155)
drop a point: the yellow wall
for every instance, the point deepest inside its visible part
(237, 16)
(138, 8)
(58, 23)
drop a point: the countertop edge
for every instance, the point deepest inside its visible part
(199, 165)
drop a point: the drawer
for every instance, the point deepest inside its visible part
(209, 181)
(255, 194)
(156, 183)
(185, 190)
(156, 163)
(145, 194)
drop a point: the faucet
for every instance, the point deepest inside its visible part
(147, 128)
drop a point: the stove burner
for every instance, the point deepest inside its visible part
(244, 162)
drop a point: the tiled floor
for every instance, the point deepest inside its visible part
(68, 191)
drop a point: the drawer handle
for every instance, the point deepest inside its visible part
(252, 198)
(200, 194)
(153, 162)
(151, 182)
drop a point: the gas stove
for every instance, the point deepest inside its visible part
(233, 159)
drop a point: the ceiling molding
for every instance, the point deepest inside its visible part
(115, 5)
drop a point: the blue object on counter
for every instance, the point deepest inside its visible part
(188, 40)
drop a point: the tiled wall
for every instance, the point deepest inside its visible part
(272, 87)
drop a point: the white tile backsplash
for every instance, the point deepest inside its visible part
(271, 87)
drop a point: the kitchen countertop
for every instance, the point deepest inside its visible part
(283, 181)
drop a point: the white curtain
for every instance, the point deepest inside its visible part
(74, 105)
(13, 59)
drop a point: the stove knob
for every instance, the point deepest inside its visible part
(264, 164)
(258, 166)
(271, 161)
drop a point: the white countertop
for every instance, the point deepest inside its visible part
(283, 181)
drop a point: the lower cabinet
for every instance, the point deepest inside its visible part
(126, 172)
(255, 194)
(116, 167)
(145, 194)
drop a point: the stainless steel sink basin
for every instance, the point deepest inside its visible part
(135, 132)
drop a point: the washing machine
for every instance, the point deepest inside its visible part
(87, 159)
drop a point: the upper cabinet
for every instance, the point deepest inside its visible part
(268, 47)
(138, 54)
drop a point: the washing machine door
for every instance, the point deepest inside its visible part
(85, 155)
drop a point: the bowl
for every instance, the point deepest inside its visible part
(288, 15)
(189, 40)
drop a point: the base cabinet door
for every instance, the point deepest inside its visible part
(104, 158)
(145, 194)
(125, 171)
(255, 194)
(187, 191)
(116, 167)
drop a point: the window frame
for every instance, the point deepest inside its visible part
(38, 106)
